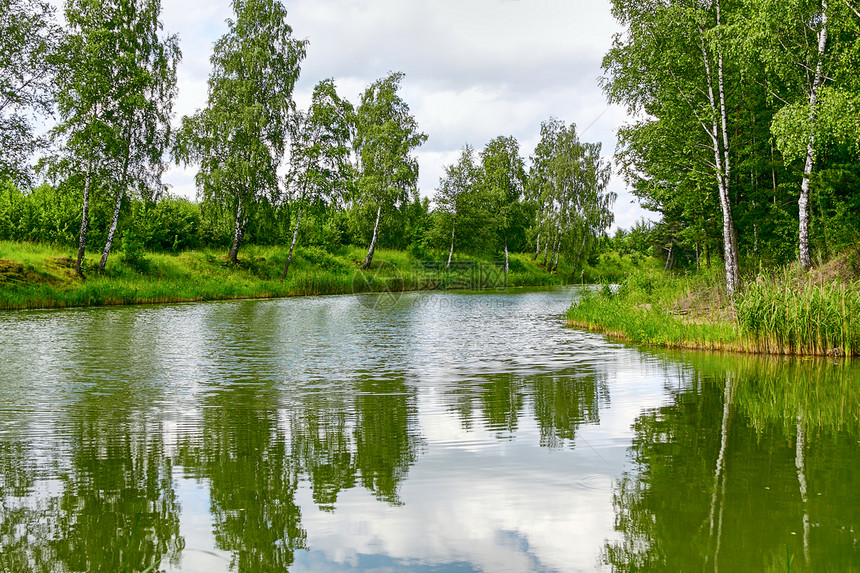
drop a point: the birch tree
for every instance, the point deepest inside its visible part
(95, 98)
(240, 137)
(386, 135)
(145, 90)
(503, 179)
(320, 151)
(668, 67)
(809, 47)
(456, 187)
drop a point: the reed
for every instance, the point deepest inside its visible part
(774, 314)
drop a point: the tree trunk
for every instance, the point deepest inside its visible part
(537, 247)
(668, 264)
(545, 252)
(238, 233)
(369, 258)
(111, 230)
(115, 219)
(729, 241)
(507, 261)
(581, 250)
(451, 252)
(85, 219)
(292, 245)
(556, 254)
(803, 202)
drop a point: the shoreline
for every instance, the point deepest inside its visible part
(39, 277)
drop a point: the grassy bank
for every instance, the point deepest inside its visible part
(40, 276)
(783, 313)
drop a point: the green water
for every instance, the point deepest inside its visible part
(445, 432)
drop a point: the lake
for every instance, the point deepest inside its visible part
(428, 432)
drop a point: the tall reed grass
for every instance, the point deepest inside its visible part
(773, 315)
(782, 316)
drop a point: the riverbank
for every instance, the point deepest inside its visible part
(787, 312)
(41, 276)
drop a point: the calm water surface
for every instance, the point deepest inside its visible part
(449, 432)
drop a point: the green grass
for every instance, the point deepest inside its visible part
(783, 314)
(41, 276)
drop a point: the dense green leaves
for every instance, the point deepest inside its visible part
(239, 139)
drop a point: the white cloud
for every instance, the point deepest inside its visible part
(474, 70)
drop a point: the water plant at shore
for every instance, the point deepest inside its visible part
(774, 314)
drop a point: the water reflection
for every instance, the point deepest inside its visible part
(753, 466)
(319, 435)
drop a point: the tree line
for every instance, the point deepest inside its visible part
(747, 125)
(268, 172)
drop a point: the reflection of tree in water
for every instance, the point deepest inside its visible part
(564, 403)
(386, 443)
(561, 403)
(502, 401)
(117, 509)
(726, 478)
(244, 453)
(322, 444)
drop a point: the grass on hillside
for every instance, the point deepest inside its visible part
(41, 276)
(787, 313)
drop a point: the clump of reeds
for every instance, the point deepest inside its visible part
(786, 316)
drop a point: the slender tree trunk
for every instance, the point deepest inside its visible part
(451, 252)
(803, 202)
(698, 265)
(115, 219)
(85, 219)
(507, 260)
(556, 253)
(238, 233)
(707, 256)
(668, 264)
(581, 250)
(724, 128)
(111, 230)
(545, 253)
(292, 245)
(731, 259)
(537, 247)
(369, 258)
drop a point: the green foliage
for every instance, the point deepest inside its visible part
(30, 39)
(239, 139)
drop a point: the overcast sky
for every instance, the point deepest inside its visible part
(475, 69)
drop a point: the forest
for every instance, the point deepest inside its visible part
(335, 174)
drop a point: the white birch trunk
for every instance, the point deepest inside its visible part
(85, 218)
(451, 252)
(292, 245)
(369, 258)
(803, 202)
(731, 261)
(238, 231)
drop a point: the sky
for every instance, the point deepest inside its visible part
(474, 69)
